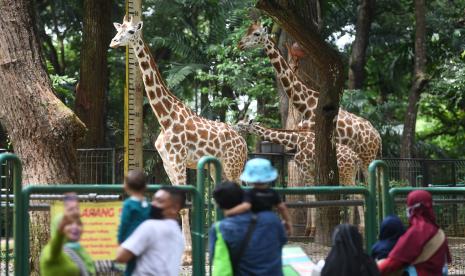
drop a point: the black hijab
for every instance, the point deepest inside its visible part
(347, 257)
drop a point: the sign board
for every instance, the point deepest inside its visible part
(100, 222)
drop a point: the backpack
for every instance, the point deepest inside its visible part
(221, 260)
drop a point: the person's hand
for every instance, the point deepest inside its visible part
(288, 227)
(68, 218)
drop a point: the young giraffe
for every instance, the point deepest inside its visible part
(185, 137)
(303, 142)
(351, 130)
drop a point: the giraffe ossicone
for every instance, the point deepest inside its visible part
(185, 137)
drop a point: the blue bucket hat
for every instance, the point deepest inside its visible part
(259, 170)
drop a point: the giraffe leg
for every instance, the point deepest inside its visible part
(179, 176)
(361, 213)
(311, 218)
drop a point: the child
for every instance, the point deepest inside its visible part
(260, 173)
(135, 209)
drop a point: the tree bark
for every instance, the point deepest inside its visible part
(43, 131)
(357, 58)
(419, 81)
(93, 83)
(294, 16)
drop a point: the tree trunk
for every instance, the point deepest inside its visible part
(419, 81)
(357, 58)
(93, 80)
(294, 17)
(43, 131)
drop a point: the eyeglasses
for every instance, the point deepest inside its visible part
(411, 208)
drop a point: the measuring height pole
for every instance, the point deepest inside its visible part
(133, 100)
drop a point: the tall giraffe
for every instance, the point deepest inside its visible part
(351, 130)
(185, 137)
(303, 142)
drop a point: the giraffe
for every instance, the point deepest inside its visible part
(303, 142)
(351, 130)
(185, 137)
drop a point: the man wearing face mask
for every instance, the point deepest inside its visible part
(150, 241)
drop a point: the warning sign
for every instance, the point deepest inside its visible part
(100, 222)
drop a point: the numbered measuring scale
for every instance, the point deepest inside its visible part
(133, 101)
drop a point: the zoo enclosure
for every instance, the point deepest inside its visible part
(105, 165)
(23, 196)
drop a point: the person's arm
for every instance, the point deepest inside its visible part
(56, 244)
(282, 234)
(135, 244)
(123, 255)
(389, 265)
(58, 238)
(238, 209)
(284, 212)
(124, 222)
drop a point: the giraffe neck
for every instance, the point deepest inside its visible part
(165, 104)
(285, 138)
(303, 98)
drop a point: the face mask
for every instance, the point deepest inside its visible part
(156, 213)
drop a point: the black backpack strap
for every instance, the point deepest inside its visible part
(235, 259)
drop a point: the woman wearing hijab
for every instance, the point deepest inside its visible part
(347, 257)
(390, 231)
(423, 245)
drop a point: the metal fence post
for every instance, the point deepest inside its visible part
(18, 230)
(384, 205)
(198, 263)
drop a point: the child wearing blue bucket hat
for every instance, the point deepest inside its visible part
(260, 173)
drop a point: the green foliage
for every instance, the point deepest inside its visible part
(64, 88)
(194, 43)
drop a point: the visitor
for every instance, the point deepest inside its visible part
(135, 210)
(259, 173)
(157, 243)
(254, 241)
(423, 245)
(347, 257)
(63, 254)
(390, 231)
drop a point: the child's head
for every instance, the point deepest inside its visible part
(134, 182)
(259, 171)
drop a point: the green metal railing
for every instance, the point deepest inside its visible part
(380, 187)
(18, 232)
(370, 203)
(22, 197)
(390, 204)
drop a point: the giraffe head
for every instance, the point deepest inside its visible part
(294, 54)
(128, 32)
(244, 126)
(254, 37)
